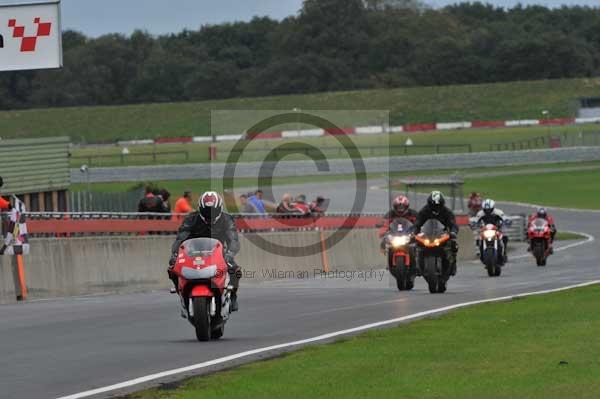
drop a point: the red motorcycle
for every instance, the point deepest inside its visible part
(540, 240)
(203, 286)
(400, 261)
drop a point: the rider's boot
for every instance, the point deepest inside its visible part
(234, 302)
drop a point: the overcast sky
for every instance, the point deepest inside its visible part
(97, 17)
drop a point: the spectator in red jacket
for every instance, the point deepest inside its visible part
(4, 204)
(475, 203)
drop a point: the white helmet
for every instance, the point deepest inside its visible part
(488, 206)
(210, 207)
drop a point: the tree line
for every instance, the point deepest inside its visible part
(329, 45)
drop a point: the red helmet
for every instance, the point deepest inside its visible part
(400, 204)
(210, 207)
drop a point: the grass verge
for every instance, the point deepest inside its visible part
(515, 100)
(562, 189)
(477, 140)
(568, 236)
(537, 347)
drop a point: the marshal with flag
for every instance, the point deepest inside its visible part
(16, 240)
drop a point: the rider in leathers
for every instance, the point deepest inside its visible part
(489, 214)
(210, 221)
(436, 209)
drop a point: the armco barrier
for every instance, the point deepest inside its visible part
(89, 265)
(341, 166)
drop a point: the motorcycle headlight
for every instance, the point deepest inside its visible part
(489, 234)
(400, 241)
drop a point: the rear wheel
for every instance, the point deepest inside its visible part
(202, 320)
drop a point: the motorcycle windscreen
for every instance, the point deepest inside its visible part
(433, 229)
(202, 247)
(401, 226)
(539, 224)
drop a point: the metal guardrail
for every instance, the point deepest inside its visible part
(364, 150)
(525, 144)
(154, 155)
(59, 224)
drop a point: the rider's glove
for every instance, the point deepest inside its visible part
(172, 261)
(453, 235)
(228, 257)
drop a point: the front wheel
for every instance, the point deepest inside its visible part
(489, 259)
(202, 320)
(404, 278)
(539, 252)
(433, 274)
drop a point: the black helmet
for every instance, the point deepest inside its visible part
(436, 200)
(210, 206)
(542, 213)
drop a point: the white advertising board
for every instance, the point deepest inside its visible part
(30, 36)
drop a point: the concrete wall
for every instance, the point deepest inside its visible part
(7, 284)
(79, 266)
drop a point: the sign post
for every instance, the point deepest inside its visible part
(30, 36)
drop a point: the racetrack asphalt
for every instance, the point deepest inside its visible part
(59, 347)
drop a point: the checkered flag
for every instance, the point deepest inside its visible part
(17, 240)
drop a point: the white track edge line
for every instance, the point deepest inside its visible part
(168, 373)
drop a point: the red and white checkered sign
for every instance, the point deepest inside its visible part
(30, 36)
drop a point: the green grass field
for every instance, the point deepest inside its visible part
(176, 186)
(537, 347)
(475, 140)
(518, 100)
(568, 236)
(565, 189)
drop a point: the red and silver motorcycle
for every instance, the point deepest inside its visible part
(203, 286)
(400, 259)
(539, 234)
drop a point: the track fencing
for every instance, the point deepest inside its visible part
(93, 201)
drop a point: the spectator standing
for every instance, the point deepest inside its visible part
(165, 195)
(319, 205)
(475, 203)
(300, 205)
(286, 206)
(151, 203)
(257, 201)
(246, 206)
(183, 206)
